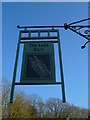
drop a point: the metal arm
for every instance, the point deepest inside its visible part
(72, 26)
(77, 29)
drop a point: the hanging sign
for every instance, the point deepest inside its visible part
(38, 65)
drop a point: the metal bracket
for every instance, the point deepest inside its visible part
(82, 30)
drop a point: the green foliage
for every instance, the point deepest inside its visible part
(33, 106)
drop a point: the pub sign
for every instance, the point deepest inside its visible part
(38, 65)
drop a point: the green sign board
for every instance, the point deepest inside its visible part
(38, 65)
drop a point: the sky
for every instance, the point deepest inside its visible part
(0, 42)
(75, 60)
(45, 0)
(89, 63)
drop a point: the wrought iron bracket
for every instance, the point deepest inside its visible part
(82, 30)
(77, 29)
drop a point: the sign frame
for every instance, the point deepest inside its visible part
(39, 38)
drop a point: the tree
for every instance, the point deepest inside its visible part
(20, 108)
(33, 106)
(84, 113)
(57, 109)
(53, 106)
(5, 97)
(37, 103)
